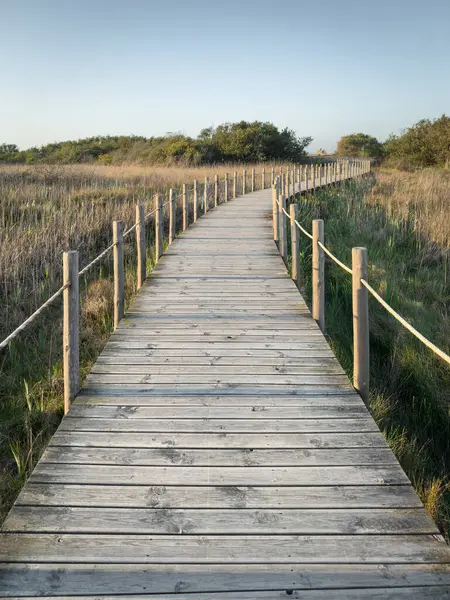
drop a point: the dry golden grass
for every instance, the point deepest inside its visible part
(423, 196)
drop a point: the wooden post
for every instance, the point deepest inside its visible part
(141, 247)
(282, 224)
(263, 179)
(119, 273)
(216, 190)
(318, 274)
(288, 183)
(244, 182)
(185, 206)
(206, 196)
(235, 182)
(295, 246)
(253, 180)
(172, 214)
(225, 191)
(275, 196)
(71, 327)
(320, 174)
(273, 175)
(360, 301)
(306, 180)
(195, 199)
(159, 217)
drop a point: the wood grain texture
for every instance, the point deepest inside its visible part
(218, 450)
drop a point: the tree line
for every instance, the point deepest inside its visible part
(247, 142)
(424, 144)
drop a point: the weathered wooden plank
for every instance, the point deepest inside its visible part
(227, 549)
(96, 579)
(225, 426)
(203, 377)
(217, 440)
(385, 593)
(217, 412)
(219, 521)
(206, 457)
(211, 475)
(143, 496)
(311, 400)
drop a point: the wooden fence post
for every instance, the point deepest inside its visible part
(275, 196)
(141, 246)
(244, 182)
(216, 190)
(225, 191)
(273, 175)
(306, 180)
(360, 301)
(263, 179)
(235, 183)
(185, 206)
(172, 214)
(282, 225)
(195, 199)
(318, 274)
(295, 246)
(253, 180)
(159, 217)
(71, 326)
(206, 196)
(288, 183)
(119, 273)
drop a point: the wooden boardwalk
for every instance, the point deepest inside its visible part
(218, 450)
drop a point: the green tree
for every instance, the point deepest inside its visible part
(359, 145)
(427, 143)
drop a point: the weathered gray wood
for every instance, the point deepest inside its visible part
(318, 274)
(141, 246)
(360, 303)
(282, 233)
(419, 592)
(172, 215)
(119, 273)
(141, 496)
(159, 231)
(295, 246)
(196, 199)
(226, 190)
(212, 521)
(218, 440)
(227, 549)
(185, 206)
(71, 328)
(360, 424)
(212, 475)
(231, 457)
(206, 196)
(235, 184)
(216, 190)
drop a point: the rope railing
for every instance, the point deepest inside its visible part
(335, 258)
(360, 285)
(303, 230)
(33, 316)
(405, 323)
(96, 259)
(205, 196)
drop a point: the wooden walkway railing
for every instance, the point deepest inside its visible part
(217, 449)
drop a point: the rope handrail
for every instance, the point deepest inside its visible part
(334, 258)
(96, 259)
(303, 230)
(405, 323)
(33, 316)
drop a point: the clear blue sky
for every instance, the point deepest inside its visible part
(76, 68)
